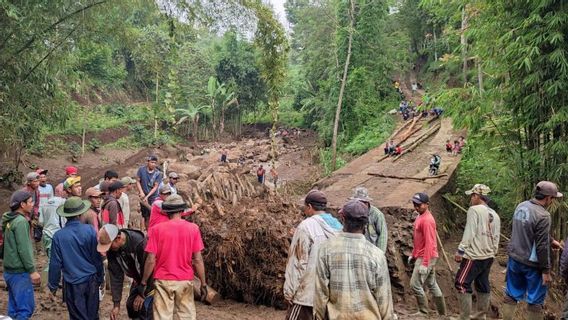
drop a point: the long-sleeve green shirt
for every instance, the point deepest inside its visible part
(377, 232)
(18, 252)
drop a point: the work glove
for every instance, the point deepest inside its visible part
(423, 270)
(203, 290)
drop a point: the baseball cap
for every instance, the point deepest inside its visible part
(316, 197)
(173, 175)
(355, 209)
(127, 180)
(107, 234)
(71, 181)
(93, 192)
(115, 186)
(152, 157)
(19, 197)
(420, 198)
(41, 171)
(32, 176)
(361, 193)
(71, 170)
(548, 188)
(480, 189)
(165, 189)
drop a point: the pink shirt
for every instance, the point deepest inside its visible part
(174, 242)
(425, 245)
(156, 214)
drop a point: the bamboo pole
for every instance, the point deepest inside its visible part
(464, 210)
(445, 254)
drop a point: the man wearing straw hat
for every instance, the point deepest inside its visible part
(174, 249)
(74, 253)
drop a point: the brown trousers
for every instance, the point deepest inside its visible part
(174, 300)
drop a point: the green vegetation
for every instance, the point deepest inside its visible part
(502, 69)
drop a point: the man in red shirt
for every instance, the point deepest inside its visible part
(174, 248)
(424, 256)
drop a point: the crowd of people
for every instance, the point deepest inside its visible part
(87, 240)
(337, 268)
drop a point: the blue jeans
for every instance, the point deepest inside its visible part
(525, 283)
(82, 299)
(21, 303)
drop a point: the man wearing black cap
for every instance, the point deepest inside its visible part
(425, 256)
(74, 253)
(148, 181)
(528, 269)
(352, 274)
(299, 286)
(111, 211)
(19, 267)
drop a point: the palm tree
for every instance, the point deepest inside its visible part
(191, 113)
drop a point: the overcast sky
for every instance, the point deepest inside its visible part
(279, 8)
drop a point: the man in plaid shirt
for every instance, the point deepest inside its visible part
(352, 274)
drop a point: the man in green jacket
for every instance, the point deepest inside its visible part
(19, 267)
(376, 230)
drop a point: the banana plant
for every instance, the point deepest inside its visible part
(191, 113)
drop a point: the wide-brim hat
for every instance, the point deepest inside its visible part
(361, 194)
(73, 206)
(173, 204)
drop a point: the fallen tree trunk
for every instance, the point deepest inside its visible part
(399, 130)
(414, 121)
(406, 177)
(419, 140)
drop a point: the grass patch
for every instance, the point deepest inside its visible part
(373, 134)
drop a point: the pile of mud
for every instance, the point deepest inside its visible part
(246, 229)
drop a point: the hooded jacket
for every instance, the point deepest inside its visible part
(18, 252)
(299, 286)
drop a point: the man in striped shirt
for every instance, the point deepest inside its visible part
(352, 279)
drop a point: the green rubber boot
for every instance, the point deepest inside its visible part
(422, 303)
(483, 303)
(440, 305)
(508, 311)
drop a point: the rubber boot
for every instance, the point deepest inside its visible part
(508, 311)
(422, 303)
(483, 303)
(465, 305)
(535, 315)
(440, 305)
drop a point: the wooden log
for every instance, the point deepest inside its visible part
(397, 131)
(464, 210)
(414, 121)
(406, 177)
(419, 140)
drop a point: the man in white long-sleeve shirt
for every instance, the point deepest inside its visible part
(476, 252)
(299, 286)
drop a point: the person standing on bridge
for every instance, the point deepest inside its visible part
(425, 256)
(528, 269)
(376, 230)
(476, 253)
(299, 286)
(352, 274)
